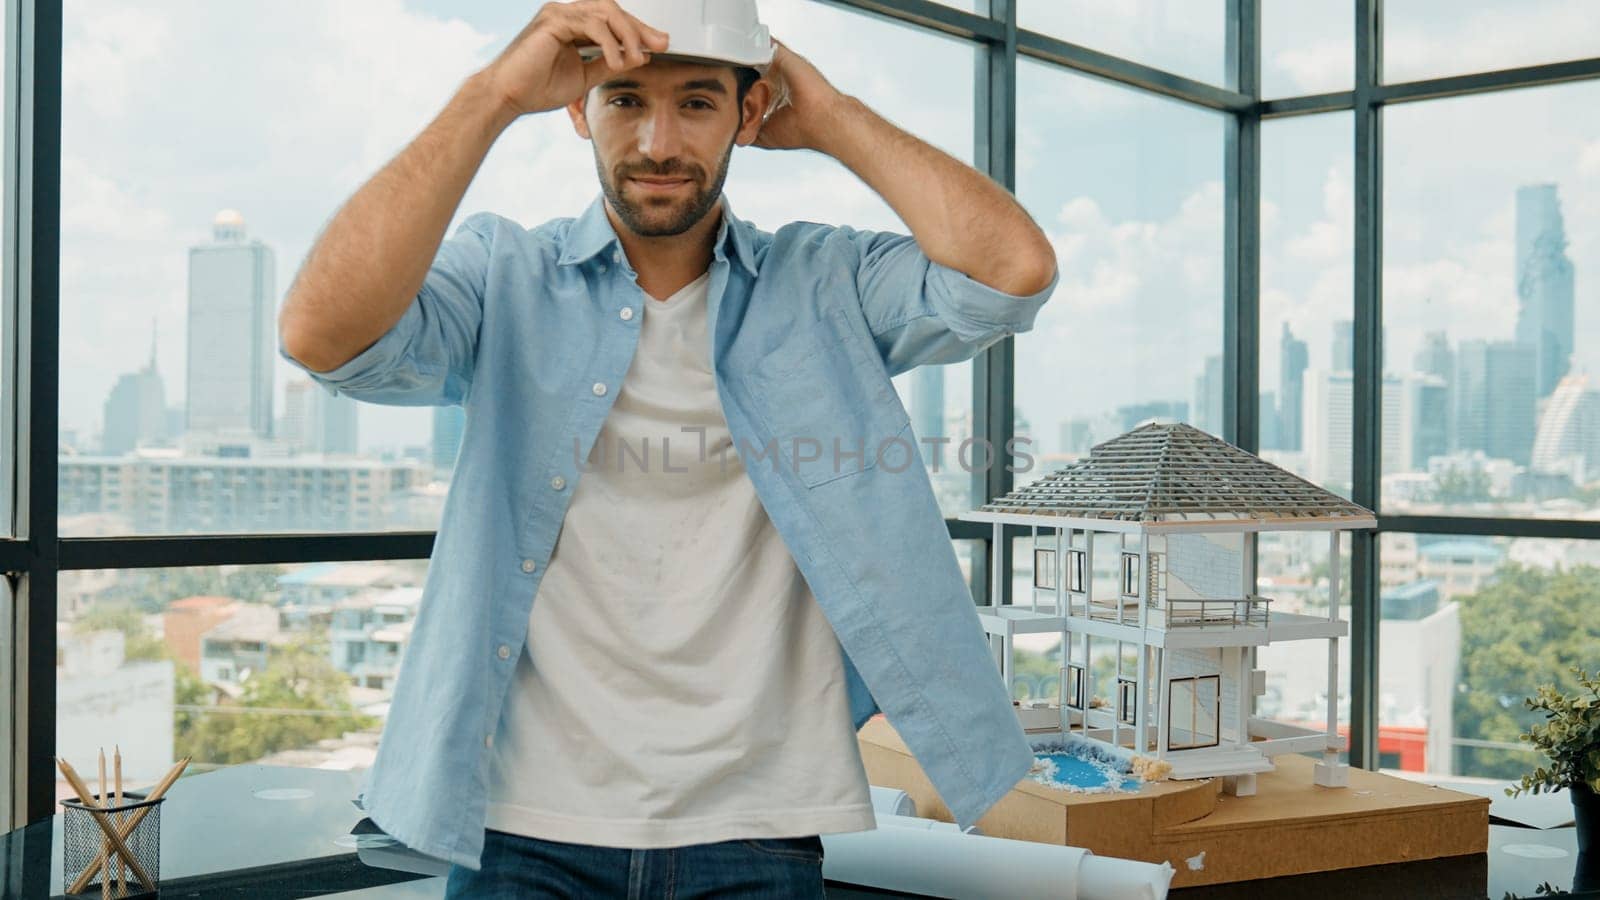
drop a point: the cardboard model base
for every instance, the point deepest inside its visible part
(1289, 827)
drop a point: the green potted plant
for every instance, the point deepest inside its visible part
(1569, 737)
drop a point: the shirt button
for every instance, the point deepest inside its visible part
(558, 482)
(527, 565)
(599, 389)
(488, 740)
(626, 313)
(504, 652)
(602, 267)
(616, 256)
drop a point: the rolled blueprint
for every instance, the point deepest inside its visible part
(943, 862)
(892, 801)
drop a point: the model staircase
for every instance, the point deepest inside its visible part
(1217, 762)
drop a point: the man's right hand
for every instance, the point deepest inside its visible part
(541, 70)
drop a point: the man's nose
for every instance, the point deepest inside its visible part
(659, 136)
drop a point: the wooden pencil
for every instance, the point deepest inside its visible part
(105, 881)
(122, 881)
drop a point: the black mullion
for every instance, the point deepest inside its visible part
(993, 389)
(1367, 424)
(40, 269)
(1241, 324)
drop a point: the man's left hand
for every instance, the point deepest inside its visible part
(804, 121)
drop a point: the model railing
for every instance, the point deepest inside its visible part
(1246, 611)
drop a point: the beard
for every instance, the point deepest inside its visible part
(663, 216)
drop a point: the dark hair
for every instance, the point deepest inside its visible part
(743, 78)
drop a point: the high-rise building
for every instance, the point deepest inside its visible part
(927, 413)
(1344, 346)
(1427, 415)
(1435, 356)
(1270, 433)
(316, 421)
(1568, 439)
(1330, 433)
(1495, 397)
(448, 424)
(1292, 361)
(294, 429)
(335, 423)
(136, 410)
(232, 343)
(1544, 285)
(1207, 406)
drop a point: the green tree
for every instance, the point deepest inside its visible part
(297, 700)
(1525, 628)
(140, 644)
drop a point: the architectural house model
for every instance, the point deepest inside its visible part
(1144, 562)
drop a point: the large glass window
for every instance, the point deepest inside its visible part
(186, 214)
(1470, 627)
(1184, 37)
(1490, 234)
(1307, 47)
(1430, 38)
(286, 665)
(1129, 187)
(1306, 286)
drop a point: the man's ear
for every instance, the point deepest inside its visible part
(580, 120)
(756, 101)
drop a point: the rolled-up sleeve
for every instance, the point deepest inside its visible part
(427, 357)
(921, 312)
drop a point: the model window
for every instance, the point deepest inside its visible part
(1044, 568)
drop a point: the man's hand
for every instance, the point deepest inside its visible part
(804, 120)
(541, 69)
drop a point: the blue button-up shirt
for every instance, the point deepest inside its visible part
(531, 331)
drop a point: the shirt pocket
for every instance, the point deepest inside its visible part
(828, 403)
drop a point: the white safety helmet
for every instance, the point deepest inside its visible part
(721, 31)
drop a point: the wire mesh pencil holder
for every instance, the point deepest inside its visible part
(85, 844)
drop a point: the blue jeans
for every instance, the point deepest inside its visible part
(753, 869)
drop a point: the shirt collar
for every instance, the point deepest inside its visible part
(591, 233)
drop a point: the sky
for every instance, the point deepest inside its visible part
(174, 110)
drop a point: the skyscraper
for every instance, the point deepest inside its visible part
(927, 413)
(232, 345)
(1330, 428)
(1344, 346)
(1495, 399)
(1292, 361)
(1568, 439)
(315, 421)
(1437, 360)
(1207, 406)
(335, 423)
(136, 410)
(1544, 284)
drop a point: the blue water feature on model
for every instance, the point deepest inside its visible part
(1075, 771)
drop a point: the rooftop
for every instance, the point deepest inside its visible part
(1164, 473)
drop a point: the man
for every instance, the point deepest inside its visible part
(682, 439)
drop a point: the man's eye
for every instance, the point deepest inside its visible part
(615, 100)
(702, 103)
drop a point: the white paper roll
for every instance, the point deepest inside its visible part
(926, 856)
(1110, 878)
(941, 863)
(892, 801)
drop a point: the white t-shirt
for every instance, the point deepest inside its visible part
(680, 684)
